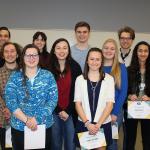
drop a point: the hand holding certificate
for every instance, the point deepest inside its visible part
(88, 141)
(115, 134)
(139, 109)
(34, 139)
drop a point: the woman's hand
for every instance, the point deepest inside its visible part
(133, 97)
(31, 123)
(113, 118)
(145, 98)
(92, 128)
(63, 115)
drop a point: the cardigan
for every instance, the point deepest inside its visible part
(40, 102)
(106, 95)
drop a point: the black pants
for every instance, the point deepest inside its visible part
(131, 133)
(2, 139)
(18, 139)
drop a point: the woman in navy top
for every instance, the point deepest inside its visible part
(31, 96)
(119, 72)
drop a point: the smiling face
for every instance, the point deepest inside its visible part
(40, 43)
(109, 50)
(82, 34)
(94, 61)
(142, 53)
(10, 54)
(125, 40)
(31, 58)
(4, 37)
(61, 50)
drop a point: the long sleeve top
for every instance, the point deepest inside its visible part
(40, 101)
(120, 94)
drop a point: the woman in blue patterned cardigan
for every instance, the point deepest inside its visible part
(31, 95)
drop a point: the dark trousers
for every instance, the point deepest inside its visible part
(18, 139)
(2, 139)
(131, 133)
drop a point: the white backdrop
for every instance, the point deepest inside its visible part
(24, 36)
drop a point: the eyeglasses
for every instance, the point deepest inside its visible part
(34, 56)
(125, 38)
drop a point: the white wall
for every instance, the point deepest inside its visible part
(24, 36)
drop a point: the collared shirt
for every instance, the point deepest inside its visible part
(127, 58)
(4, 75)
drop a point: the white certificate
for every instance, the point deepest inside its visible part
(8, 142)
(139, 109)
(115, 134)
(34, 139)
(88, 141)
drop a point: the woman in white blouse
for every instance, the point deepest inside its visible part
(94, 97)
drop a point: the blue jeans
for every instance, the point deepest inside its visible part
(114, 145)
(62, 131)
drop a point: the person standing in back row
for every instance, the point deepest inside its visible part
(80, 49)
(126, 37)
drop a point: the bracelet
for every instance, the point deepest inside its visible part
(27, 120)
(86, 123)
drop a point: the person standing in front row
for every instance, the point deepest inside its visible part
(94, 97)
(11, 54)
(80, 49)
(65, 71)
(139, 89)
(119, 72)
(31, 96)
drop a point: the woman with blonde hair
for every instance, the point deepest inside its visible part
(119, 72)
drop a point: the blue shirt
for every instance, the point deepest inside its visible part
(120, 94)
(40, 101)
(79, 55)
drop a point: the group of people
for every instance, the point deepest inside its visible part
(73, 89)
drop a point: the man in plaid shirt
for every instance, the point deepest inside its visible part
(11, 54)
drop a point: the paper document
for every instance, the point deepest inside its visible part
(34, 139)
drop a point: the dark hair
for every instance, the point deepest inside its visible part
(5, 28)
(44, 38)
(128, 30)
(82, 24)
(18, 50)
(54, 64)
(135, 66)
(86, 67)
(24, 68)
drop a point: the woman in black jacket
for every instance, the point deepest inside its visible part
(65, 71)
(139, 89)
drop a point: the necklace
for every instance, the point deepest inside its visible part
(93, 88)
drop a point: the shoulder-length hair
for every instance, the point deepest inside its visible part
(86, 66)
(18, 49)
(115, 70)
(44, 38)
(54, 64)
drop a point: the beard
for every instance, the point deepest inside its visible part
(10, 62)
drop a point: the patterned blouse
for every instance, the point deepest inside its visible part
(38, 98)
(4, 75)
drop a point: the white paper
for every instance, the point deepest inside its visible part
(139, 109)
(34, 139)
(88, 141)
(115, 134)
(8, 142)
